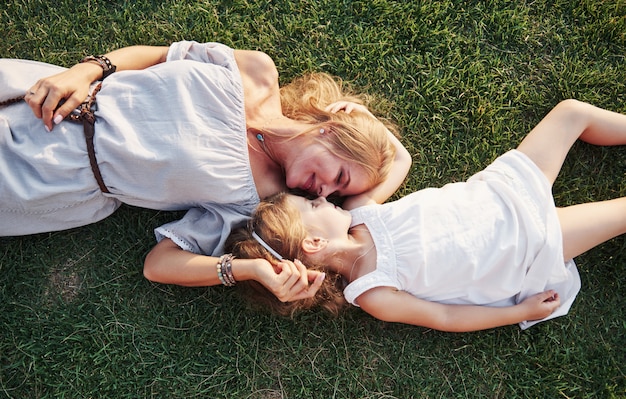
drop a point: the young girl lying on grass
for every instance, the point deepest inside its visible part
(488, 252)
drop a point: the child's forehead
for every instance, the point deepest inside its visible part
(296, 201)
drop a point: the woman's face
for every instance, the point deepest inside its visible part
(319, 172)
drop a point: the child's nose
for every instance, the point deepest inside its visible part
(320, 200)
(325, 191)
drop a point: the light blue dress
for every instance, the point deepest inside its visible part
(169, 137)
(494, 240)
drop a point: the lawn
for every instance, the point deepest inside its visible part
(465, 80)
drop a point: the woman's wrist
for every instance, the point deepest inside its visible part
(91, 71)
(244, 269)
(103, 61)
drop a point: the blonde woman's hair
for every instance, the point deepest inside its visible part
(280, 225)
(354, 137)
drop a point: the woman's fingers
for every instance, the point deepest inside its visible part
(44, 101)
(334, 107)
(35, 98)
(296, 282)
(302, 271)
(316, 279)
(292, 283)
(348, 107)
(49, 106)
(53, 98)
(345, 106)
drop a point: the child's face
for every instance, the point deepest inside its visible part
(321, 217)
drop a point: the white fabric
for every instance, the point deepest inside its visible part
(493, 240)
(169, 137)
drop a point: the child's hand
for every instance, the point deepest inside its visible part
(290, 281)
(348, 107)
(541, 305)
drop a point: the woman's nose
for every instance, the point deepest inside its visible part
(324, 191)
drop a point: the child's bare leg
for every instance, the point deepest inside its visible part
(550, 141)
(587, 225)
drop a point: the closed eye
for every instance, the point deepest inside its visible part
(343, 182)
(339, 177)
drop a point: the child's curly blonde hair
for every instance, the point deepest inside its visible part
(279, 224)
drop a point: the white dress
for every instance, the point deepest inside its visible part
(493, 240)
(169, 137)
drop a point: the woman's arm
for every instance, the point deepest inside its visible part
(389, 304)
(400, 168)
(73, 84)
(167, 263)
(380, 193)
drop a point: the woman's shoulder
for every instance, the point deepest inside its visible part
(259, 77)
(257, 68)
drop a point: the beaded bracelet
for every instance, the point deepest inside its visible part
(105, 63)
(219, 270)
(225, 270)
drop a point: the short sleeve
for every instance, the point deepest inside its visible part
(203, 230)
(211, 53)
(371, 280)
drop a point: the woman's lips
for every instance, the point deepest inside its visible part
(308, 184)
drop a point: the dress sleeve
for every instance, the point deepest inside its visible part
(212, 53)
(371, 280)
(203, 230)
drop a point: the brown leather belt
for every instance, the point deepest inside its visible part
(85, 115)
(88, 119)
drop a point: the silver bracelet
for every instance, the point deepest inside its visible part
(225, 270)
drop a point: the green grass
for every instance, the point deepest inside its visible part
(465, 80)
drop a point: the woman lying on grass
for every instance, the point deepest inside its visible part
(488, 252)
(194, 126)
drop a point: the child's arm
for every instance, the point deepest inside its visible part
(167, 263)
(389, 304)
(400, 168)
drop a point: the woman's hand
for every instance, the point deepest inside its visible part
(348, 107)
(290, 281)
(399, 170)
(70, 86)
(541, 305)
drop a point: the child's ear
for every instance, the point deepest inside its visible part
(312, 245)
